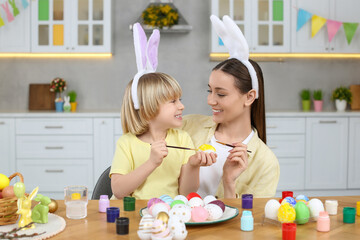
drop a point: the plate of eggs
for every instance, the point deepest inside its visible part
(191, 210)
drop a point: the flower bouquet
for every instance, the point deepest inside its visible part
(159, 15)
(58, 85)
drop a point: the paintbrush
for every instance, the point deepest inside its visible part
(229, 145)
(185, 148)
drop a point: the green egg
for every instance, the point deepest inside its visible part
(176, 202)
(302, 213)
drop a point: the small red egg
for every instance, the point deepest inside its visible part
(8, 192)
(193, 194)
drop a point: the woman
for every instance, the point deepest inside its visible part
(238, 119)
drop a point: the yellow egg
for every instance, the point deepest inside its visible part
(53, 206)
(75, 196)
(207, 148)
(286, 213)
(4, 181)
(163, 216)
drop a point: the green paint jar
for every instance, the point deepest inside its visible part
(129, 204)
(349, 215)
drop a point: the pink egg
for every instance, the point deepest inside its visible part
(153, 201)
(219, 203)
(199, 214)
(159, 229)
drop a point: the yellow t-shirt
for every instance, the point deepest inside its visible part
(131, 152)
(263, 171)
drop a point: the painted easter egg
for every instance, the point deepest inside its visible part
(199, 214)
(196, 202)
(215, 212)
(315, 206)
(159, 207)
(286, 213)
(145, 227)
(290, 200)
(191, 195)
(219, 203)
(152, 201)
(271, 209)
(166, 198)
(182, 211)
(182, 198)
(302, 213)
(177, 228)
(302, 197)
(159, 230)
(163, 216)
(209, 198)
(207, 148)
(176, 202)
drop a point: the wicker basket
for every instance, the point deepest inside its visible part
(8, 206)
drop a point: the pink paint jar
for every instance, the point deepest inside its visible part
(323, 222)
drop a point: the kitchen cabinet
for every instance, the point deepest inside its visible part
(265, 23)
(71, 26)
(7, 146)
(286, 138)
(354, 153)
(339, 10)
(15, 35)
(326, 153)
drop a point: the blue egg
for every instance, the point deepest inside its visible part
(166, 198)
(302, 197)
(290, 200)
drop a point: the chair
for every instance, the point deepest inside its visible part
(103, 186)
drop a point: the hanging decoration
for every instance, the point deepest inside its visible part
(10, 16)
(317, 22)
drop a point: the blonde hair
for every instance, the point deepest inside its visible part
(153, 89)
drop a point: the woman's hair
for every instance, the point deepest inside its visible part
(153, 89)
(243, 82)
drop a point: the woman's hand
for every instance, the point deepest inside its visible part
(202, 159)
(235, 164)
(158, 152)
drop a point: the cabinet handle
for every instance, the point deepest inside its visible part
(271, 126)
(327, 122)
(72, 48)
(2, 123)
(327, 49)
(54, 170)
(272, 147)
(54, 148)
(52, 127)
(332, 48)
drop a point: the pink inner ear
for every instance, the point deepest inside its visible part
(140, 46)
(152, 49)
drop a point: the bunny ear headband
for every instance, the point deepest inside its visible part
(235, 42)
(146, 56)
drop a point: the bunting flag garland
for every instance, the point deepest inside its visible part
(317, 22)
(25, 3)
(332, 28)
(15, 9)
(9, 16)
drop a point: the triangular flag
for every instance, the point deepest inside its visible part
(332, 28)
(317, 23)
(350, 29)
(1, 22)
(15, 9)
(25, 4)
(9, 16)
(303, 17)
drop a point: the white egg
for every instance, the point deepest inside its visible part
(271, 209)
(315, 206)
(182, 198)
(159, 207)
(144, 235)
(182, 211)
(196, 202)
(215, 212)
(209, 198)
(177, 228)
(145, 225)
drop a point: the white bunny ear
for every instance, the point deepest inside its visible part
(140, 46)
(152, 50)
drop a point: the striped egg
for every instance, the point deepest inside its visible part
(160, 230)
(167, 199)
(145, 227)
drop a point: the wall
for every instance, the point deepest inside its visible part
(100, 82)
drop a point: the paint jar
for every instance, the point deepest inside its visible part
(289, 231)
(323, 222)
(247, 221)
(358, 208)
(112, 213)
(247, 201)
(104, 203)
(331, 206)
(349, 215)
(129, 204)
(122, 226)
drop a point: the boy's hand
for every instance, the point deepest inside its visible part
(202, 159)
(158, 152)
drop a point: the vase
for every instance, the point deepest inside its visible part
(59, 106)
(340, 105)
(306, 105)
(318, 105)
(73, 106)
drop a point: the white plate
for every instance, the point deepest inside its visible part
(229, 213)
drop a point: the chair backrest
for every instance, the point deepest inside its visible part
(103, 186)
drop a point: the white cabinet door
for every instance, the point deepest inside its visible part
(7, 146)
(354, 154)
(326, 153)
(346, 11)
(103, 145)
(15, 35)
(301, 41)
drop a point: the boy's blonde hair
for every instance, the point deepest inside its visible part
(153, 89)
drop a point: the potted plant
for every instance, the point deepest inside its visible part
(305, 97)
(73, 103)
(58, 85)
(318, 100)
(342, 96)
